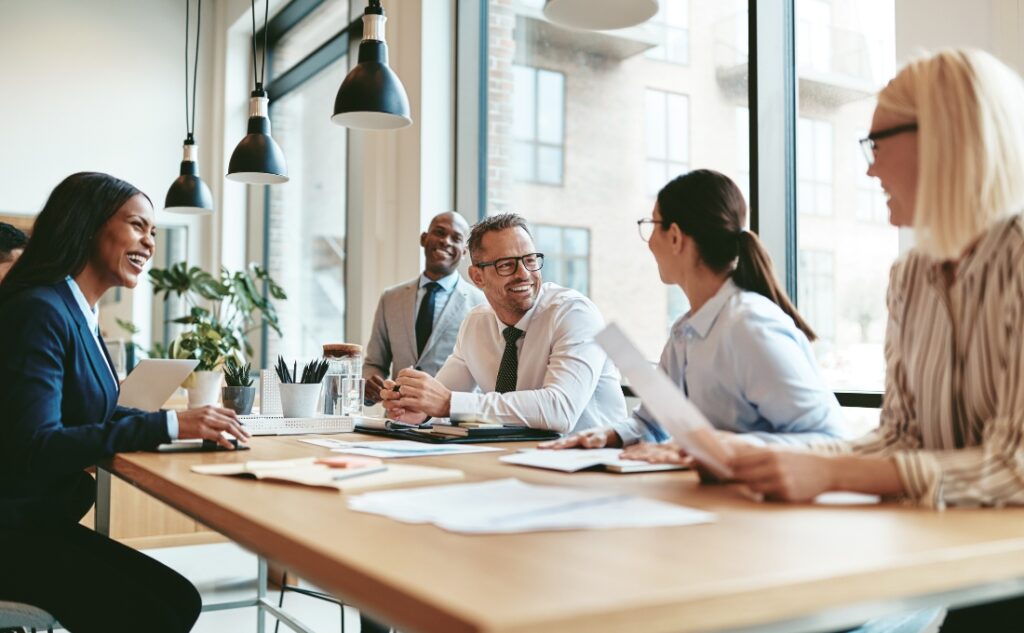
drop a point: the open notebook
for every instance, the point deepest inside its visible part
(307, 472)
(576, 459)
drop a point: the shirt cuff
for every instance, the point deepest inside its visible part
(922, 478)
(464, 403)
(172, 425)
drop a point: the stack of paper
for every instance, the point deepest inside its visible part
(509, 505)
(575, 459)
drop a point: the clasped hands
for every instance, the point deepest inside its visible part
(414, 396)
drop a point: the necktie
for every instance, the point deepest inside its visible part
(425, 318)
(508, 371)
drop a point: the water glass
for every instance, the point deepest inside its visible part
(352, 391)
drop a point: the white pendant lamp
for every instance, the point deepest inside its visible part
(599, 15)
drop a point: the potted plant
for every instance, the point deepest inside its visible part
(299, 393)
(239, 392)
(222, 312)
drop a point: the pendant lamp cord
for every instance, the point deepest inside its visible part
(190, 126)
(258, 80)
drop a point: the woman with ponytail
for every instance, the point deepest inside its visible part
(742, 352)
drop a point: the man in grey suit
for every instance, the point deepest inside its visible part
(417, 322)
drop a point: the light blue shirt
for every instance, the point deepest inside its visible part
(441, 295)
(92, 320)
(749, 369)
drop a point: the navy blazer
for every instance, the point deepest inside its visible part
(58, 409)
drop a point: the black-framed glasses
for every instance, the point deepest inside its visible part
(507, 266)
(867, 144)
(646, 227)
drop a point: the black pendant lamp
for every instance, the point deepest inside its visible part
(599, 15)
(258, 160)
(188, 193)
(372, 96)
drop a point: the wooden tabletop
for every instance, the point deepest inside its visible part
(758, 563)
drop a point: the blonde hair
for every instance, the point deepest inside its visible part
(970, 144)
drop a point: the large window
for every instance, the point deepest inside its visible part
(305, 223)
(538, 124)
(666, 118)
(814, 167)
(630, 124)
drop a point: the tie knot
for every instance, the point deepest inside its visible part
(432, 287)
(511, 334)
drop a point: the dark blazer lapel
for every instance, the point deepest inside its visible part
(96, 357)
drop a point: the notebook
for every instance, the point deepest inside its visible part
(307, 472)
(576, 459)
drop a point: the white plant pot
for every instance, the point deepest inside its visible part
(203, 388)
(299, 400)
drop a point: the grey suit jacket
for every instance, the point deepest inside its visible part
(392, 343)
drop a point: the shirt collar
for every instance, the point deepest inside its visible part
(446, 283)
(703, 319)
(88, 312)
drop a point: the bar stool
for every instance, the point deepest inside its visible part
(19, 614)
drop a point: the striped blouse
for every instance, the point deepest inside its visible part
(953, 412)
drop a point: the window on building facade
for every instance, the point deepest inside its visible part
(671, 27)
(666, 122)
(566, 255)
(630, 126)
(538, 124)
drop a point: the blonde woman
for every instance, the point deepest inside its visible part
(947, 144)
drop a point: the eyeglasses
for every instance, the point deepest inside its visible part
(646, 227)
(867, 144)
(507, 266)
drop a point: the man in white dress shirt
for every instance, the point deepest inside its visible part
(526, 357)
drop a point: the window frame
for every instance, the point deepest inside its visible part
(534, 141)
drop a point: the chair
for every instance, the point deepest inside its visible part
(19, 614)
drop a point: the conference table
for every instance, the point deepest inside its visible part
(760, 566)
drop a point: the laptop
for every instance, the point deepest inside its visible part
(153, 381)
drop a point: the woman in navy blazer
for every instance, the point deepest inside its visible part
(59, 415)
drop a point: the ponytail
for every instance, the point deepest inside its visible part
(754, 272)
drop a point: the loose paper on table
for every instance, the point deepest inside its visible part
(508, 505)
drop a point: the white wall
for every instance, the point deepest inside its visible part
(99, 86)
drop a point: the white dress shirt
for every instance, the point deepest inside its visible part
(565, 381)
(441, 295)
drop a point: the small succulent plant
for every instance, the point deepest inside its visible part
(237, 375)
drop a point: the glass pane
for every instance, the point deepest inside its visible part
(678, 117)
(307, 220)
(549, 107)
(846, 53)
(524, 122)
(655, 124)
(610, 166)
(322, 24)
(577, 242)
(524, 161)
(548, 240)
